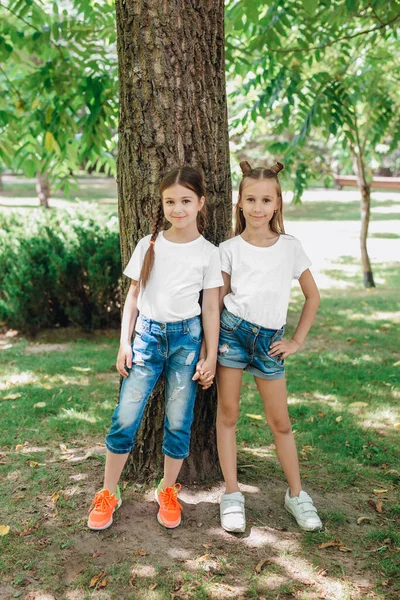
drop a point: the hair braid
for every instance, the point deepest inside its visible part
(148, 261)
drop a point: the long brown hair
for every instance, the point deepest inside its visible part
(190, 178)
(276, 223)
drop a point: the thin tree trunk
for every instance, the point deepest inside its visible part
(365, 205)
(172, 112)
(43, 190)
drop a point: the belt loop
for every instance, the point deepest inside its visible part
(185, 326)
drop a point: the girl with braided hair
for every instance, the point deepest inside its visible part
(169, 268)
(258, 266)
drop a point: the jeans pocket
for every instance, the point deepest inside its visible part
(229, 323)
(195, 331)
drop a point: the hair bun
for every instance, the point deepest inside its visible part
(276, 168)
(246, 167)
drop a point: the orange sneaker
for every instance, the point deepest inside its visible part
(102, 508)
(169, 513)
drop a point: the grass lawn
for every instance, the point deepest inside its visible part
(57, 393)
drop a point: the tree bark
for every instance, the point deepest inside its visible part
(172, 112)
(43, 190)
(365, 205)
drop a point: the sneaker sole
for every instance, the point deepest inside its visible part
(168, 526)
(303, 527)
(109, 523)
(235, 530)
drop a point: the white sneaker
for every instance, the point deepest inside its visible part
(232, 512)
(303, 510)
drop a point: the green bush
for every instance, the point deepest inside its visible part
(58, 269)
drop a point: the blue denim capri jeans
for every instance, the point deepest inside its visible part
(172, 349)
(244, 345)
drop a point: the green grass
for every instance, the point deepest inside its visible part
(345, 448)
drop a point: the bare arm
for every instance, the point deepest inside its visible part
(205, 368)
(311, 304)
(129, 317)
(210, 318)
(224, 290)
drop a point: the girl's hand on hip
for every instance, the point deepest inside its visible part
(283, 348)
(124, 359)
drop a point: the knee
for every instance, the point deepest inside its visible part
(227, 417)
(280, 427)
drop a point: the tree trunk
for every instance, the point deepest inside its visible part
(172, 112)
(365, 190)
(43, 190)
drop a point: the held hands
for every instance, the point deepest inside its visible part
(124, 358)
(283, 348)
(205, 373)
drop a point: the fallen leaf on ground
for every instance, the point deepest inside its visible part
(330, 544)
(397, 426)
(94, 581)
(392, 472)
(55, 497)
(141, 552)
(82, 369)
(12, 397)
(338, 419)
(153, 586)
(261, 564)
(255, 417)
(4, 530)
(19, 447)
(96, 554)
(380, 491)
(33, 464)
(362, 519)
(39, 405)
(102, 583)
(344, 549)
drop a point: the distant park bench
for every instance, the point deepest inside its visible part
(382, 183)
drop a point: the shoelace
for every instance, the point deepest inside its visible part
(101, 502)
(169, 497)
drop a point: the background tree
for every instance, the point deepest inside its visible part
(319, 69)
(172, 112)
(58, 89)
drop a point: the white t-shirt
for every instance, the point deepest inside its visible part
(179, 273)
(261, 278)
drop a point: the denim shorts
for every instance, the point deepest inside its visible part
(172, 349)
(243, 345)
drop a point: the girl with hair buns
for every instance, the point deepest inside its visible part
(168, 269)
(258, 266)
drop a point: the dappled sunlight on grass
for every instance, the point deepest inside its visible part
(8, 381)
(76, 415)
(261, 452)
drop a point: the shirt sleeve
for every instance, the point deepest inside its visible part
(301, 261)
(135, 263)
(226, 265)
(212, 274)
